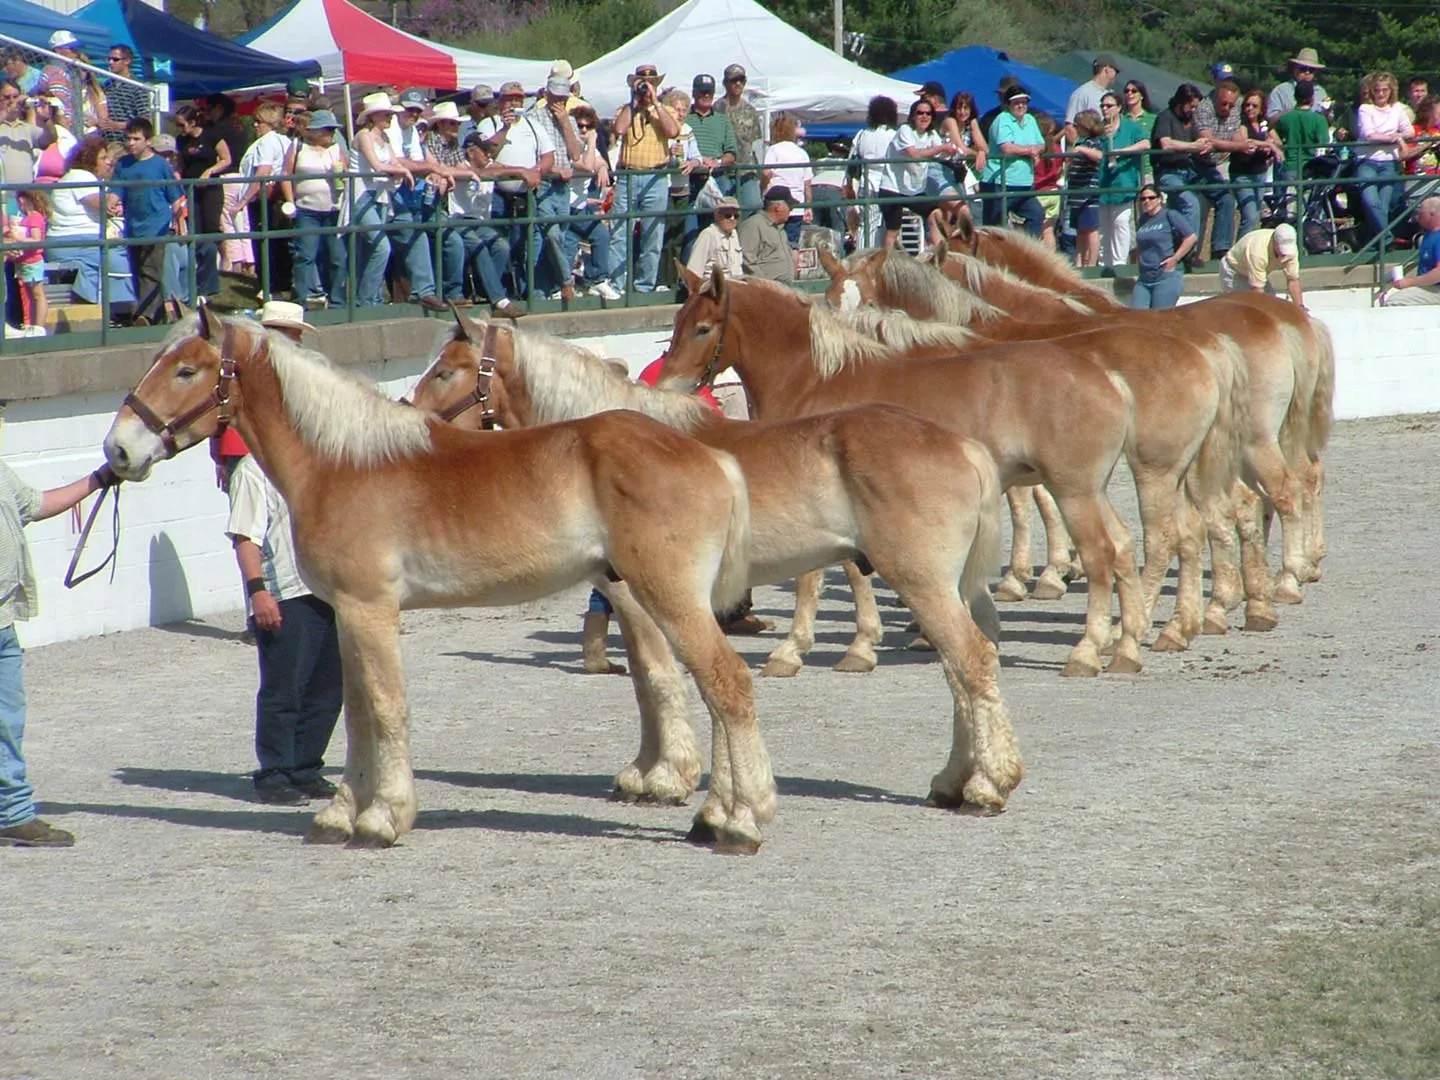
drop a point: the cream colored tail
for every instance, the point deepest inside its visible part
(1322, 404)
(1218, 463)
(985, 547)
(734, 575)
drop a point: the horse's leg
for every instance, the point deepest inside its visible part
(1158, 494)
(667, 767)
(1131, 597)
(1185, 624)
(1012, 585)
(1283, 488)
(1249, 510)
(1059, 556)
(1226, 591)
(789, 656)
(1086, 522)
(1314, 490)
(869, 630)
(375, 678)
(335, 823)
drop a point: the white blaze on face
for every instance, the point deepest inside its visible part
(849, 296)
(131, 449)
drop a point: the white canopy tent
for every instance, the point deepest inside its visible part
(787, 70)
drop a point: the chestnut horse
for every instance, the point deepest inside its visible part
(925, 289)
(392, 509)
(797, 358)
(877, 483)
(1265, 327)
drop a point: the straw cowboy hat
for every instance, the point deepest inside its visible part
(644, 73)
(283, 315)
(445, 110)
(1307, 58)
(377, 102)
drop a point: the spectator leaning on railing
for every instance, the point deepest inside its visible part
(1124, 142)
(315, 160)
(767, 252)
(527, 150)
(472, 204)
(382, 172)
(1178, 145)
(78, 213)
(1016, 146)
(745, 122)
(555, 272)
(589, 188)
(150, 208)
(643, 128)
(1217, 118)
(416, 202)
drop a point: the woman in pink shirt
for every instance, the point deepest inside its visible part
(1384, 124)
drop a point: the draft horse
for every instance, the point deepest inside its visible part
(392, 509)
(916, 502)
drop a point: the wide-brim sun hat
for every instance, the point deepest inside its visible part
(323, 120)
(378, 102)
(445, 110)
(644, 73)
(1307, 58)
(283, 315)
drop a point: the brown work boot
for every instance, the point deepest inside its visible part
(36, 833)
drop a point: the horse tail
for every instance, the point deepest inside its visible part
(1322, 403)
(985, 546)
(1295, 429)
(1218, 462)
(733, 577)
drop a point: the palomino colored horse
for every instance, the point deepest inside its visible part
(877, 483)
(393, 509)
(796, 358)
(920, 288)
(1265, 328)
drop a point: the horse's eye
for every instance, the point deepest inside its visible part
(443, 373)
(186, 372)
(701, 329)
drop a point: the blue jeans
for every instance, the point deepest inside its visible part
(747, 192)
(177, 273)
(87, 273)
(1222, 235)
(586, 226)
(1164, 293)
(300, 691)
(1380, 194)
(372, 250)
(412, 247)
(1184, 201)
(645, 193)
(314, 278)
(487, 251)
(17, 804)
(548, 240)
(1250, 201)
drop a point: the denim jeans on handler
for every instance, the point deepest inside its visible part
(318, 258)
(301, 691)
(17, 804)
(372, 250)
(1380, 193)
(587, 227)
(1222, 233)
(487, 253)
(1187, 202)
(1164, 293)
(641, 193)
(412, 248)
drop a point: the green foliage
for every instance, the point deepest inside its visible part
(573, 29)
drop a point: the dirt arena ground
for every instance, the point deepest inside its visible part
(1224, 867)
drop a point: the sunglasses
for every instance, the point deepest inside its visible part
(727, 213)
(1132, 89)
(1149, 198)
(923, 112)
(584, 127)
(734, 82)
(115, 58)
(1108, 105)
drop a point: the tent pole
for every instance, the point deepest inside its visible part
(349, 118)
(839, 19)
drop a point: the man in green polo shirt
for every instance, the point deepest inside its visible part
(715, 139)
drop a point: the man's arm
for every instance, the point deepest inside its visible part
(58, 500)
(252, 572)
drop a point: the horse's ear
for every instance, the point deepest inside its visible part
(211, 326)
(829, 263)
(717, 281)
(691, 279)
(964, 231)
(178, 310)
(463, 326)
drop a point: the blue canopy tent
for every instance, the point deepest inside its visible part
(192, 61)
(34, 24)
(978, 69)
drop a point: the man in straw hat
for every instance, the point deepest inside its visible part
(297, 645)
(644, 128)
(1304, 67)
(417, 202)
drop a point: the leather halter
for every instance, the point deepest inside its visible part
(218, 398)
(480, 395)
(712, 369)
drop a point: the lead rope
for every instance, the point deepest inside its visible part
(71, 578)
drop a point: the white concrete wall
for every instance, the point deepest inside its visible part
(174, 562)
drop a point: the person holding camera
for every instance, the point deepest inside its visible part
(528, 152)
(644, 128)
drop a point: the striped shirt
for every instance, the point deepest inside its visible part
(19, 503)
(125, 102)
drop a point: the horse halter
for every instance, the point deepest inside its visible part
(218, 398)
(480, 395)
(712, 369)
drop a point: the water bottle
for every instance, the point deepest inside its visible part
(428, 195)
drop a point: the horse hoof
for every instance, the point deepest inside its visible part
(1010, 591)
(855, 665)
(1261, 622)
(370, 841)
(780, 669)
(1124, 665)
(921, 644)
(1049, 589)
(701, 832)
(326, 834)
(1287, 591)
(1215, 624)
(1079, 669)
(609, 668)
(1168, 642)
(913, 626)
(941, 800)
(734, 843)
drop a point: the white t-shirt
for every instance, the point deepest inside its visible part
(908, 178)
(68, 217)
(270, 149)
(259, 514)
(381, 184)
(524, 146)
(792, 169)
(871, 143)
(471, 199)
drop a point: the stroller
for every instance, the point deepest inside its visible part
(1329, 213)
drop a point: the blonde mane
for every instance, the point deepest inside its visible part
(340, 415)
(904, 275)
(978, 271)
(566, 382)
(1050, 265)
(902, 331)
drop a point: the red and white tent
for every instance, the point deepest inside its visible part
(354, 47)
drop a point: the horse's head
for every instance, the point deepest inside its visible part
(967, 238)
(189, 394)
(856, 285)
(463, 386)
(698, 350)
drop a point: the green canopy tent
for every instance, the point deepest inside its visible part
(1079, 65)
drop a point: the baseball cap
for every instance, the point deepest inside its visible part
(727, 202)
(1222, 70)
(558, 86)
(413, 99)
(933, 88)
(482, 92)
(734, 71)
(779, 193)
(163, 143)
(513, 89)
(703, 84)
(1105, 60)
(64, 39)
(1285, 241)
(1014, 93)
(561, 69)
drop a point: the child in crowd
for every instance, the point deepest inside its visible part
(29, 228)
(1081, 181)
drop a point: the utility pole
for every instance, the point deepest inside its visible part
(839, 27)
